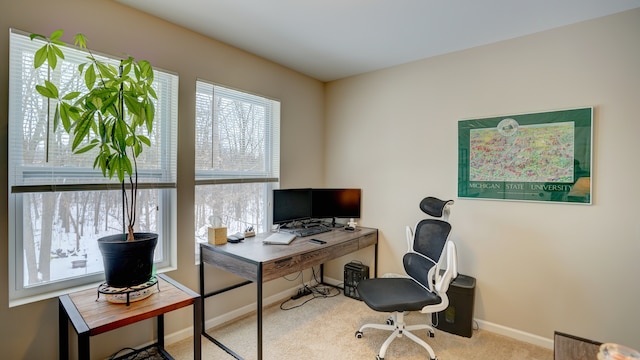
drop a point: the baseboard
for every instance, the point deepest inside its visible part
(515, 334)
(332, 281)
(495, 328)
(248, 309)
(232, 315)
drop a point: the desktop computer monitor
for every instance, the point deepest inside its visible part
(291, 205)
(335, 203)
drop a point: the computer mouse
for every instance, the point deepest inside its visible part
(349, 228)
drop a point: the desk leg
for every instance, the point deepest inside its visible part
(63, 333)
(259, 311)
(197, 334)
(202, 297)
(375, 260)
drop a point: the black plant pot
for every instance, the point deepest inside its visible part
(128, 263)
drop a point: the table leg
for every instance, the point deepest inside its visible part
(63, 333)
(68, 312)
(83, 346)
(160, 331)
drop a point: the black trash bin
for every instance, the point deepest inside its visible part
(457, 318)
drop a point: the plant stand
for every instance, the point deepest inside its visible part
(129, 294)
(90, 316)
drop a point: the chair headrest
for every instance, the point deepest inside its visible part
(434, 206)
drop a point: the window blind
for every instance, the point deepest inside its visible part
(40, 158)
(237, 136)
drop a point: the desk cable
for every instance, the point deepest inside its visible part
(317, 291)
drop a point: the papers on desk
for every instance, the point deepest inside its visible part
(279, 238)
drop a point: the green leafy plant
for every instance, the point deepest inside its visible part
(110, 116)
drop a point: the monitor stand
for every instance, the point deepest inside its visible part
(333, 223)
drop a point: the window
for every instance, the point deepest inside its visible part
(237, 159)
(58, 204)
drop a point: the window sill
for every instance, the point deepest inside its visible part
(54, 294)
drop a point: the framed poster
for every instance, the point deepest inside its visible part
(528, 157)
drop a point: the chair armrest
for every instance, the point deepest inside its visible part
(409, 236)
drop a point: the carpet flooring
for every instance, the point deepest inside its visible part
(324, 328)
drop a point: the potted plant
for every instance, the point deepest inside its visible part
(109, 118)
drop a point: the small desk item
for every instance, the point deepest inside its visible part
(92, 315)
(279, 238)
(259, 263)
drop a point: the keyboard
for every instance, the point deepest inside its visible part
(302, 232)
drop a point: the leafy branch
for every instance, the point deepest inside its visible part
(117, 105)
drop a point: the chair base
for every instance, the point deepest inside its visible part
(398, 328)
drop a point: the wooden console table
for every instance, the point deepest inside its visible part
(92, 315)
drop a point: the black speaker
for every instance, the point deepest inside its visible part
(457, 318)
(354, 272)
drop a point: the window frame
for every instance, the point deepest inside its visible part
(270, 175)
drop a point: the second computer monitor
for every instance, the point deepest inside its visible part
(335, 203)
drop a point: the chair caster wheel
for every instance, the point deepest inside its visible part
(358, 334)
(379, 358)
(432, 334)
(390, 321)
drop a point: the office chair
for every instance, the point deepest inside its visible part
(425, 287)
(403, 294)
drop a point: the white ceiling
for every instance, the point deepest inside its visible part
(333, 39)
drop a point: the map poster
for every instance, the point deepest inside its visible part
(527, 157)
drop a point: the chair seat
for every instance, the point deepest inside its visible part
(395, 294)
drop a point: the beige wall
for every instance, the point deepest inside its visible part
(30, 331)
(539, 267)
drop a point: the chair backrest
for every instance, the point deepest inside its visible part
(429, 241)
(430, 237)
